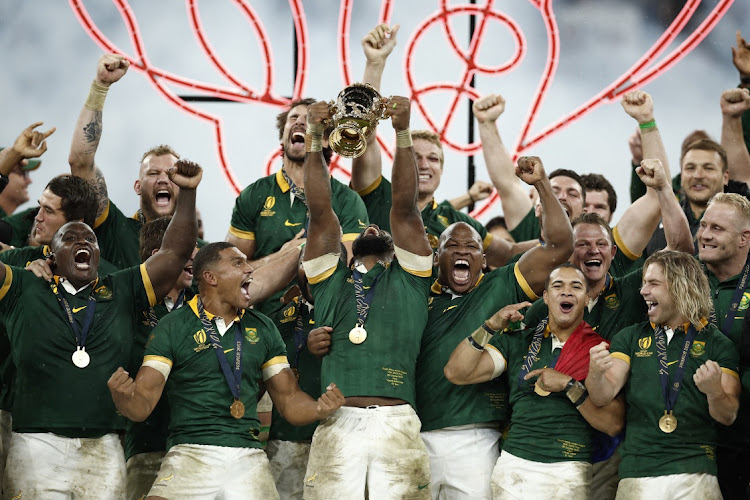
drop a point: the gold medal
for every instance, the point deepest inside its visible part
(237, 410)
(668, 422)
(538, 389)
(357, 335)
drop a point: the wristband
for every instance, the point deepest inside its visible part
(314, 138)
(582, 399)
(474, 343)
(481, 336)
(647, 125)
(576, 392)
(96, 97)
(403, 138)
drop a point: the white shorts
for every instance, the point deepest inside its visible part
(142, 471)
(517, 478)
(375, 448)
(288, 461)
(461, 461)
(203, 472)
(52, 467)
(670, 487)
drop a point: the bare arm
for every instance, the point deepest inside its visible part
(377, 46)
(406, 220)
(536, 264)
(274, 276)
(477, 192)
(607, 375)
(296, 406)
(734, 103)
(136, 399)
(324, 230)
(721, 389)
(177, 246)
(514, 198)
(29, 144)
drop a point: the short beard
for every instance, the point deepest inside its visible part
(372, 245)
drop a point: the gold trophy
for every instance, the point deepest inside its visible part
(356, 113)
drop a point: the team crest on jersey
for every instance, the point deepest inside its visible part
(251, 335)
(433, 240)
(744, 302)
(289, 314)
(644, 343)
(267, 206)
(103, 293)
(200, 339)
(612, 302)
(444, 220)
(698, 348)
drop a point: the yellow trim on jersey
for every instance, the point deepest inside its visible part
(349, 237)
(148, 286)
(274, 361)
(417, 265)
(622, 356)
(160, 359)
(100, 220)
(621, 246)
(243, 235)
(8, 280)
(193, 303)
(434, 204)
(487, 241)
(730, 372)
(322, 276)
(524, 284)
(283, 184)
(372, 187)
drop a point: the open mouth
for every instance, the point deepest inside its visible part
(424, 177)
(651, 305)
(593, 264)
(461, 272)
(188, 270)
(245, 287)
(371, 231)
(163, 197)
(297, 138)
(566, 307)
(82, 259)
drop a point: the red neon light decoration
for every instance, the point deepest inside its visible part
(645, 70)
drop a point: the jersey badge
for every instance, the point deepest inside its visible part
(698, 348)
(251, 335)
(103, 293)
(433, 240)
(612, 302)
(744, 302)
(443, 220)
(267, 206)
(644, 343)
(200, 339)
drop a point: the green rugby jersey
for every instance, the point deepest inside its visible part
(384, 364)
(738, 434)
(51, 394)
(307, 365)
(21, 223)
(435, 216)
(118, 237)
(528, 228)
(199, 396)
(647, 451)
(266, 211)
(451, 318)
(619, 305)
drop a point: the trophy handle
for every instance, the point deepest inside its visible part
(383, 106)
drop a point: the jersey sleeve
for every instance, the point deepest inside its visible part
(136, 282)
(20, 223)
(244, 214)
(276, 359)
(528, 228)
(377, 200)
(159, 347)
(726, 355)
(351, 212)
(622, 344)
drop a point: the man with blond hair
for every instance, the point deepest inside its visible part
(679, 375)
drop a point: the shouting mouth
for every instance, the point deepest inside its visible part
(82, 259)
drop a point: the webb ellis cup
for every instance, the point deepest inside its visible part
(356, 113)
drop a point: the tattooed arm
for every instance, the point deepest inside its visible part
(88, 129)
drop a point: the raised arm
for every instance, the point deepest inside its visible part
(607, 375)
(324, 230)
(295, 405)
(377, 46)
(275, 275)
(734, 103)
(406, 219)
(514, 198)
(136, 399)
(88, 129)
(640, 220)
(165, 266)
(29, 144)
(477, 192)
(537, 263)
(721, 389)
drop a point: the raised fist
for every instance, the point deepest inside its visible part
(734, 102)
(488, 108)
(530, 169)
(399, 109)
(110, 69)
(318, 113)
(379, 42)
(600, 360)
(639, 105)
(652, 174)
(319, 341)
(186, 174)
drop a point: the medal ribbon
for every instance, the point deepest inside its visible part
(88, 320)
(297, 191)
(670, 392)
(300, 336)
(153, 320)
(363, 299)
(234, 377)
(534, 347)
(726, 327)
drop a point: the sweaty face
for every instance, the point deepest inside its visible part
(662, 309)
(233, 275)
(702, 175)
(570, 194)
(76, 253)
(18, 183)
(592, 252)
(293, 136)
(428, 157)
(565, 297)
(373, 241)
(460, 258)
(49, 218)
(719, 235)
(597, 202)
(158, 193)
